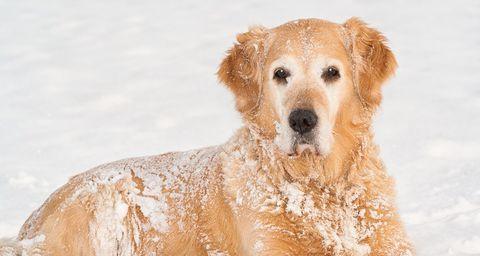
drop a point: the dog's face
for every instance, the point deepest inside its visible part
(307, 71)
(299, 83)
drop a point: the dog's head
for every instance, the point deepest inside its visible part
(305, 82)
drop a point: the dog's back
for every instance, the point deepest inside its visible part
(127, 207)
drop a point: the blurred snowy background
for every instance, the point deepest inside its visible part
(87, 82)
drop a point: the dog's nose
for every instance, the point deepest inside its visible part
(302, 120)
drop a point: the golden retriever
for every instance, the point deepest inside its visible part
(302, 177)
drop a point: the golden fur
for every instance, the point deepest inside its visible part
(247, 197)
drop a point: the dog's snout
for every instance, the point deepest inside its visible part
(302, 120)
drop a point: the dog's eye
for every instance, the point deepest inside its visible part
(330, 74)
(281, 74)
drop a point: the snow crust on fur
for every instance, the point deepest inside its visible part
(330, 212)
(151, 196)
(156, 186)
(26, 247)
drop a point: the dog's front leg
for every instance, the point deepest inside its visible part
(389, 237)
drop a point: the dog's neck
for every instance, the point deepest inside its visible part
(339, 165)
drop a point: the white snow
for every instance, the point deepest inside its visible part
(26, 181)
(295, 198)
(84, 83)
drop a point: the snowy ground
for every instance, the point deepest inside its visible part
(88, 82)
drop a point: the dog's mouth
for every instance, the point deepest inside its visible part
(302, 146)
(296, 145)
(305, 149)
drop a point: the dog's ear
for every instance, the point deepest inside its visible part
(373, 60)
(241, 68)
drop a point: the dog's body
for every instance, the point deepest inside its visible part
(321, 191)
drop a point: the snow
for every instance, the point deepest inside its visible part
(295, 198)
(86, 83)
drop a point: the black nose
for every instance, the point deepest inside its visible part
(302, 120)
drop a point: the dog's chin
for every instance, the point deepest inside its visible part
(304, 149)
(301, 147)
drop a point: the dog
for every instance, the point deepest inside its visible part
(301, 177)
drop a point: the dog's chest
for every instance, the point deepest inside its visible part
(292, 218)
(333, 233)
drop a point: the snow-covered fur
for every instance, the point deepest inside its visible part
(9, 247)
(247, 196)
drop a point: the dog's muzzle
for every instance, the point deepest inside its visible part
(302, 122)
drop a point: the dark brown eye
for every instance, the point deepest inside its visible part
(330, 74)
(281, 74)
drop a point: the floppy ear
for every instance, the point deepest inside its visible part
(240, 71)
(373, 60)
